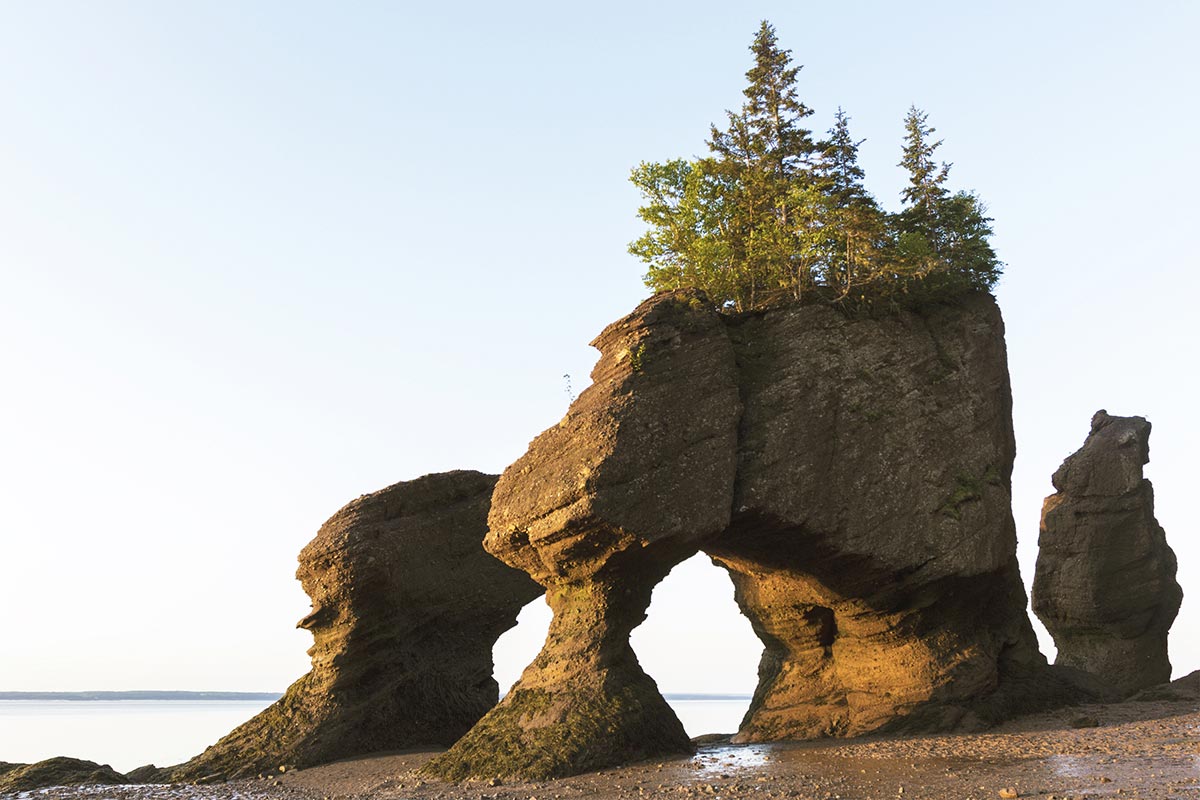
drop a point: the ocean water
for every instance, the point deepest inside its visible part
(121, 733)
(129, 733)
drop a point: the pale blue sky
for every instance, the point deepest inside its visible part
(258, 258)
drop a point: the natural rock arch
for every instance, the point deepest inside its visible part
(598, 511)
(853, 476)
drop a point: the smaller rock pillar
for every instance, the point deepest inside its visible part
(1105, 580)
(407, 607)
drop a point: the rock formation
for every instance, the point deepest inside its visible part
(1185, 689)
(872, 544)
(852, 476)
(406, 609)
(601, 507)
(58, 771)
(1105, 579)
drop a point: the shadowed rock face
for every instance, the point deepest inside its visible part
(599, 509)
(872, 544)
(852, 476)
(407, 606)
(1105, 579)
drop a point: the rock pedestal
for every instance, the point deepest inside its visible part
(407, 606)
(1105, 580)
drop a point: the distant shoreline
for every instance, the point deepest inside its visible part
(143, 695)
(200, 696)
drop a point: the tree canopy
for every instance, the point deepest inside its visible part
(772, 214)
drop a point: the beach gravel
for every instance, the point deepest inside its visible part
(1145, 749)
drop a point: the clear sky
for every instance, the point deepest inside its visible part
(259, 258)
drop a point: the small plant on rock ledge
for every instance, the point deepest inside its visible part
(636, 356)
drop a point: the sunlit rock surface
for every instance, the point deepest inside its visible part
(872, 544)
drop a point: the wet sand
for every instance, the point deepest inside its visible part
(1134, 750)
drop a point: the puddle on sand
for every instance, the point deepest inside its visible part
(1070, 766)
(731, 758)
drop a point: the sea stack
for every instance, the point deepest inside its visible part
(406, 607)
(1105, 581)
(851, 474)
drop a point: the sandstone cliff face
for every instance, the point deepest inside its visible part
(1105, 579)
(872, 544)
(407, 606)
(599, 509)
(852, 477)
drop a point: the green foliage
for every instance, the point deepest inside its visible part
(967, 489)
(773, 215)
(636, 356)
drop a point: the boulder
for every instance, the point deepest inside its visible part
(58, 771)
(406, 607)
(872, 544)
(636, 476)
(1185, 689)
(1104, 584)
(147, 773)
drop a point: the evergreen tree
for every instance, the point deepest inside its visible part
(926, 179)
(942, 239)
(964, 246)
(839, 159)
(917, 226)
(857, 235)
(762, 156)
(773, 110)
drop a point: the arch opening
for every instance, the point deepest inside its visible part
(518, 646)
(699, 648)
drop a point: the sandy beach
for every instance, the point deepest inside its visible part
(1126, 750)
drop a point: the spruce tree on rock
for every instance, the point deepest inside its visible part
(770, 215)
(854, 262)
(942, 239)
(764, 156)
(925, 191)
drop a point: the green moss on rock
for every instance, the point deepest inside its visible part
(967, 489)
(539, 735)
